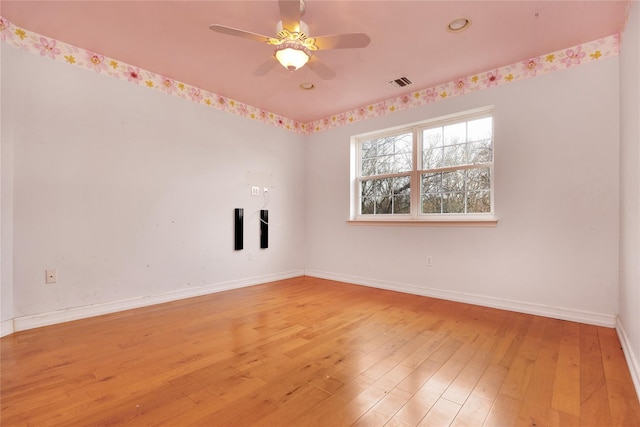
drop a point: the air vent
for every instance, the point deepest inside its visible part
(401, 82)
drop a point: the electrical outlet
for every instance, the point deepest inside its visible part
(429, 261)
(51, 275)
(255, 191)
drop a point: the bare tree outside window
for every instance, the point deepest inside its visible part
(391, 155)
(466, 148)
(426, 170)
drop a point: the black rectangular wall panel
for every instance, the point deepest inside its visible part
(239, 218)
(264, 228)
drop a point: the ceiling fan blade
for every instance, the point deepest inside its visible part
(265, 67)
(322, 70)
(342, 41)
(290, 14)
(239, 33)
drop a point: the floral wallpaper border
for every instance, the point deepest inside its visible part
(531, 67)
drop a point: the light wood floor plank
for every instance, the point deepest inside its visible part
(464, 383)
(566, 387)
(490, 383)
(623, 412)
(503, 412)
(537, 399)
(473, 412)
(594, 398)
(441, 414)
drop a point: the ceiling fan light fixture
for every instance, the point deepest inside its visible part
(293, 45)
(292, 55)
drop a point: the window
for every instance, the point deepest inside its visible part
(439, 170)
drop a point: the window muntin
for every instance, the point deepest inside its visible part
(391, 195)
(443, 168)
(386, 163)
(456, 167)
(459, 191)
(387, 155)
(458, 144)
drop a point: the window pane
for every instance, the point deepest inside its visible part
(368, 167)
(366, 188)
(369, 149)
(402, 162)
(367, 195)
(367, 206)
(431, 200)
(404, 143)
(401, 188)
(401, 204)
(401, 185)
(384, 205)
(453, 203)
(384, 165)
(478, 202)
(388, 155)
(432, 203)
(453, 181)
(432, 158)
(432, 183)
(478, 179)
(479, 152)
(385, 195)
(480, 129)
(432, 148)
(383, 186)
(455, 155)
(432, 137)
(384, 145)
(455, 134)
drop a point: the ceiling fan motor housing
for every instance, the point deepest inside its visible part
(304, 28)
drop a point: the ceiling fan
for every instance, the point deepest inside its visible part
(294, 47)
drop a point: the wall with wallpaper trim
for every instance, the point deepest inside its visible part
(629, 320)
(130, 193)
(555, 248)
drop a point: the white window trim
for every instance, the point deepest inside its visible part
(419, 219)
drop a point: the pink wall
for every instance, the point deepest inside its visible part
(130, 193)
(555, 248)
(629, 311)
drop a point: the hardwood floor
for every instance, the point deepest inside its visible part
(311, 352)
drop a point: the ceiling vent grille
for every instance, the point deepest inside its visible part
(401, 82)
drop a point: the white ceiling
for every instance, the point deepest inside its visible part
(408, 38)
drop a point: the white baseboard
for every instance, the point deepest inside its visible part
(75, 313)
(598, 319)
(44, 319)
(632, 359)
(6, 328)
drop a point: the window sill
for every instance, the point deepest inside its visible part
(440, 222)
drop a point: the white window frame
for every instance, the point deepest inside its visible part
(415, 216)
